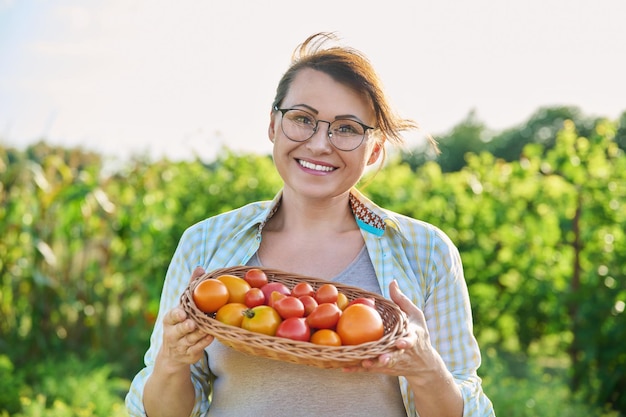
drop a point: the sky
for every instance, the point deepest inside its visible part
(183, 79)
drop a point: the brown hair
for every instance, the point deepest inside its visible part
(349, 67)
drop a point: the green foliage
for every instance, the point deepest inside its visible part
(83, 254)
(542, 240)
(10, 385)
(473, 136)
(512, 384)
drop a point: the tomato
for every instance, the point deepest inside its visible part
(237, 288)
(301, 289)
(289, 306)
(275, 296)
(274, 286)
(309, 304)
(326, 337)
(342, 301)
(294, 328)
(325, 316)
(255, 277)
(231, 313)
(210, 295)
(261, 319)
(254, 297)
(326, 293)
(368, 301)
(360, 323)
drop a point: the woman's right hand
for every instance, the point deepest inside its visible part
(183, 342)
(169, 390)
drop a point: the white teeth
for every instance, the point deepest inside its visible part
(316, 167)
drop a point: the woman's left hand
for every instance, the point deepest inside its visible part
(415, 353)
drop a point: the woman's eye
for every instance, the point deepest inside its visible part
(304, 120)
(347, 129)
(301, 118)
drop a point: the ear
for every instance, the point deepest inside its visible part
(376, 150)
(271, 130)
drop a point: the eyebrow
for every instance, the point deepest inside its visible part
(338, 117)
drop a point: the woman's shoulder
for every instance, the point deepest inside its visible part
(235, 219)
(412, 225)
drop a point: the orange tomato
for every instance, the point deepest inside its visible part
(326, 337)
(231, 313)
(326, 293)
(237, 288)
(210, 295)
(360, 324)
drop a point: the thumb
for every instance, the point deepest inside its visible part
(197, 273)
(405, 303)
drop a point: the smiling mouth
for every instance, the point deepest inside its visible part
(315, 167)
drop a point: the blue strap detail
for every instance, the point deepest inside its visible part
(369, 228)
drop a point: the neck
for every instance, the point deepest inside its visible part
(314, 216)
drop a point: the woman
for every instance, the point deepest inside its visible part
(329, 121)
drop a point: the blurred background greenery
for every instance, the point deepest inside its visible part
(537, 211)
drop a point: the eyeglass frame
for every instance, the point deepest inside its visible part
(329, 133)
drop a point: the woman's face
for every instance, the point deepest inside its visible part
(315, 168)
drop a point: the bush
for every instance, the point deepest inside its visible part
(522, 387)
(72, 388)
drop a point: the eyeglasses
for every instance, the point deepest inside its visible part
(300, 126)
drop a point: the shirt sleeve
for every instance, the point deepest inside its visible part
(185, 259)
(449, 318)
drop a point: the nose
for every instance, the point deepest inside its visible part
(320, 141)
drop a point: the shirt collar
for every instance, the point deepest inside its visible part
(369, 217)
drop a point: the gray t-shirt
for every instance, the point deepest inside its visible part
(247, 385)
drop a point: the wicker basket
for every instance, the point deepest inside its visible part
(304, 353)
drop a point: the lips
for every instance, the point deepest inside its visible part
(315, 167)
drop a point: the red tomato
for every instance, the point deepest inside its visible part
(309, 304)
(210, 295)
(261, 319)
(255, 277)
(275, 296)
(289, 306)
(326, 337)
(325, 316)
(274, 286)
(294, 328)
(368, 301)
(231, 313)
(326, 293)
(237, 288)
(254, 297)
(301, 289)
(360, 324)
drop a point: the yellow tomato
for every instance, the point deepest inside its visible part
(342, 301)
(231, 313)
(261, 319)
(237, 288)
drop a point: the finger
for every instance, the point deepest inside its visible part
(175, 316)
(195, 350)
(197, 273)
(405, 303)
(194, 337)
(202, 341)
